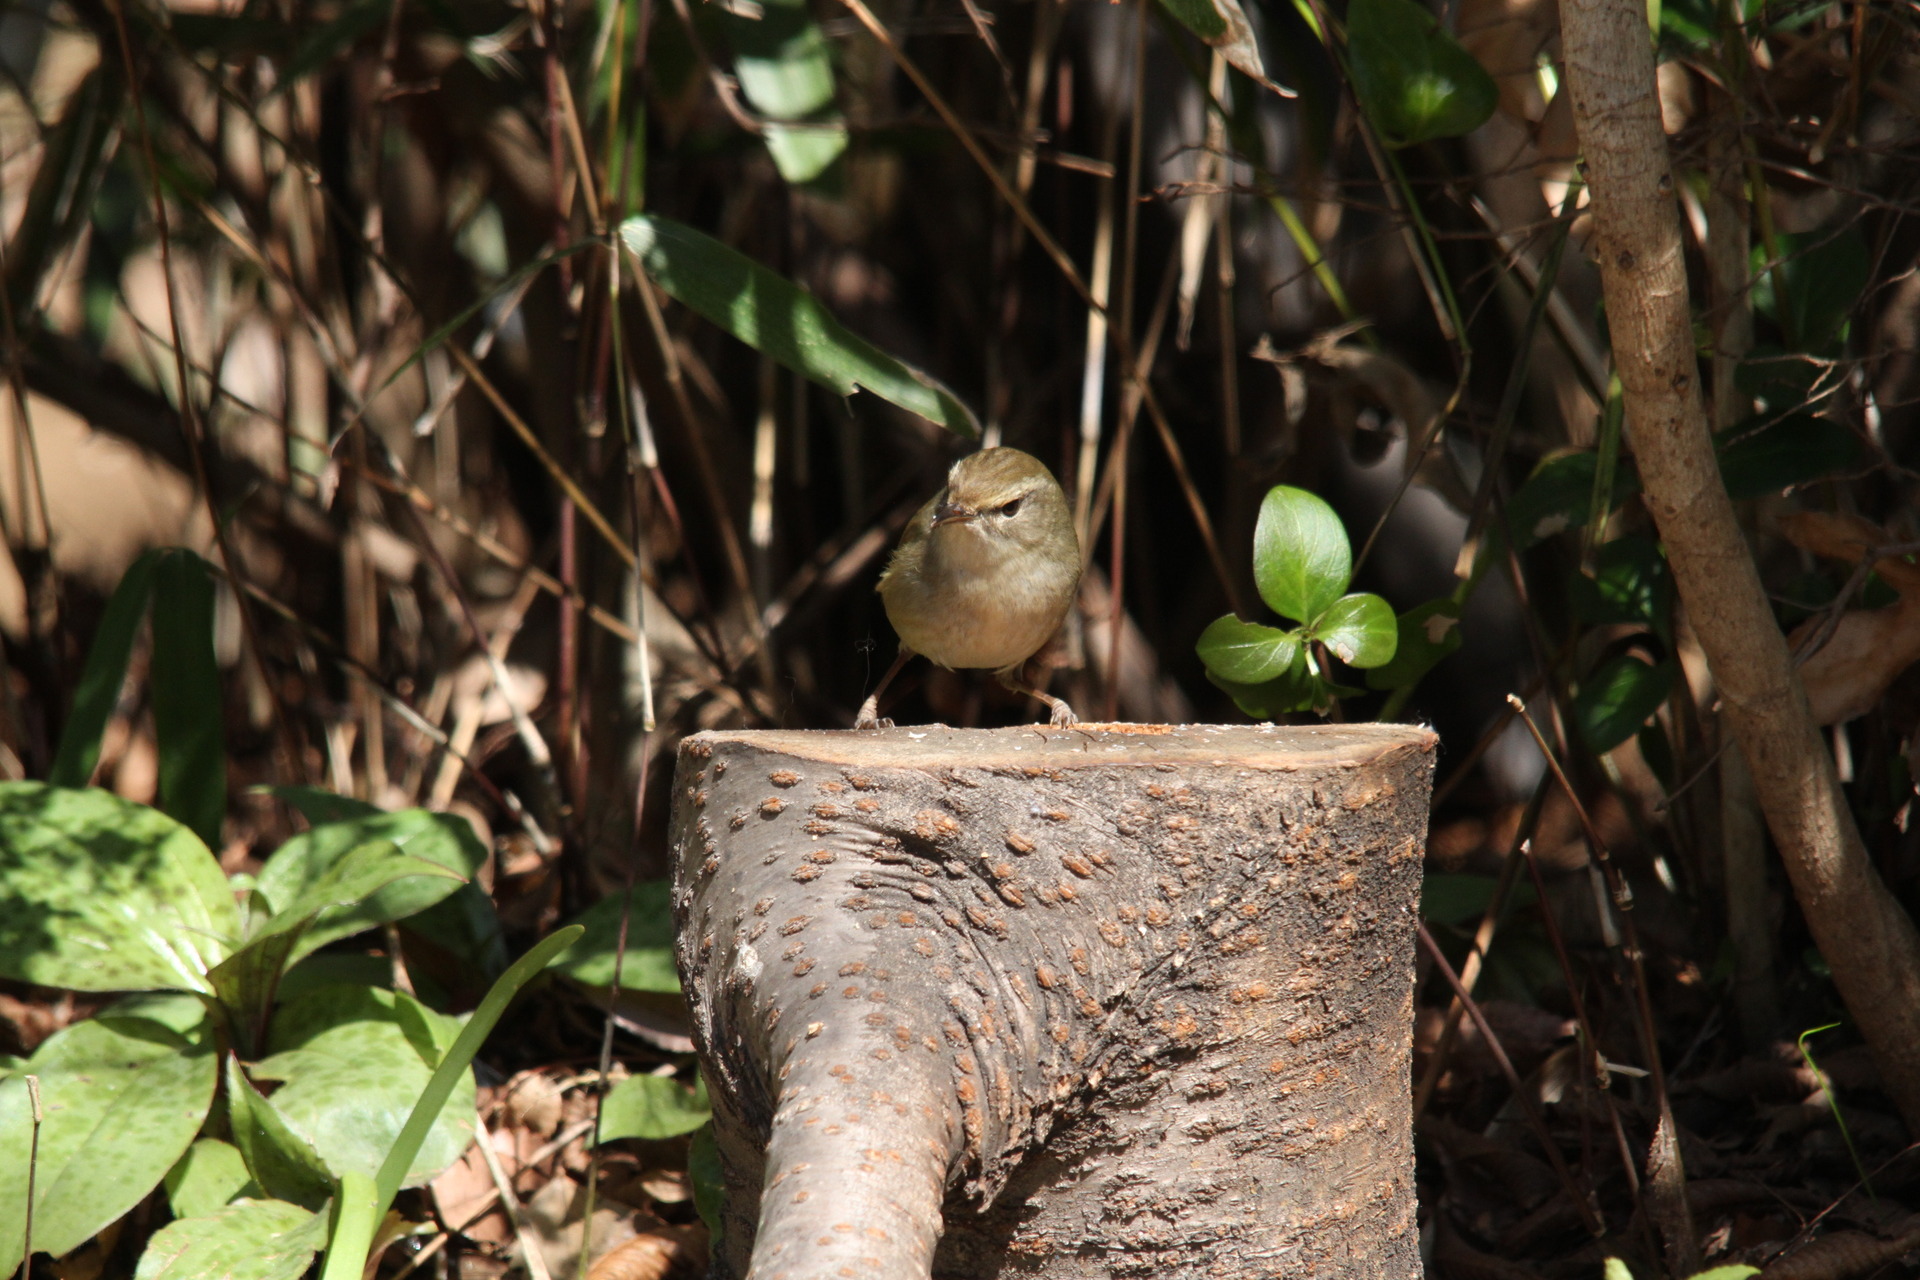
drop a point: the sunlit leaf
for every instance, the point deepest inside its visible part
(1414, 80)
(1246, 652)
(248, 1240)
(782, 321)
(1222, 24)
(1360, 629)
(1301, 559)
(651, 1108)
(123, 1095)
(282, 1161)
(211, 1174)
(782, 60)
(101, 894)
(647, 964)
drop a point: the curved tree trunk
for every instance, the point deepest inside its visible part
(1073, 1003)
(1865, 935)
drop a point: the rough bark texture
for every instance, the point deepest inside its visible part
(1862, 931)
(1101, 1003)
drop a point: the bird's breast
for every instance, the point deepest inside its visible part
(975, 604)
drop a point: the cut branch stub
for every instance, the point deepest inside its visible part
(1064, 1002)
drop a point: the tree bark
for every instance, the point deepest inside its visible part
(1868, 940)
(1069, 1003)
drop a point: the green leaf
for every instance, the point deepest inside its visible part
(1734, 1271)
(362, 1201)
(1295, 689)
(1222, 24)
(781, 58)
(775, 317)
(1246, 652)
(652, 1107)
(1630, 584)
(1360, 629)
(251, 1240)
(1424, 635)
(1826, 278)
(1617, 698)
(280, 1160)
(709, 1182)
(648, 963)
(211, 1175)
(352, 1061)
(123, 1096)
(1414, 81)
(1774, 456)
(100, 894)
(1558, 496)
(246, 980)
(186, 696)
(98, 693)
(1617, 1270)
(439, 838)
(1301, 560)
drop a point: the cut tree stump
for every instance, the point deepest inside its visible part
(1110, 1001)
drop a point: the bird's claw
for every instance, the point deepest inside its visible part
(1063, 717)
(869, 716)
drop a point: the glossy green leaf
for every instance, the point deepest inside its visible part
(208, 1177)
(786, 73)
(648, 963)
(351, 1062)
(1222, 24)
(1425, 635)
(186, 694)
(443, 839)
(1558, 496)
(1360, 629)
(1295, 689)
(1757, 459)
(1246, 652)
(1630, 584)
(250, 1240)
(100, 894)
(280, 1160)
(1301, 559)
(651, 1108)
(783, 322)
(1412, 78)
(1617, 698)
(98, 692)
(123, 1095)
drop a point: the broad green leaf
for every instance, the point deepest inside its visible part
(1558, 496)
(284, 1164)
(249, 1240)
(1426, 634)
(1826, 275)
(1630, 583)
(245, 980)
(123, 1096)
(300, 863)
(98, 693)
(100, 894)
(1797, 449)
(783, 322)
(782, 61)
(648, 962)
(1617, 698)
(1222, 24)
(211, 1175)
(1617, 1270)
(186, 695)
(352, 1061)
(652, 1107)
(1360, 629)
(364, 1201)
(1414, 81)
(1246, 652)
(1301, 560)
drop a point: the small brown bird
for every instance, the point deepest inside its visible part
(984, 574)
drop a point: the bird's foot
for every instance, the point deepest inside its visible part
(1062, 716)
(869, 716)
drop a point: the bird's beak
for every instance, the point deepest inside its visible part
(950, 513)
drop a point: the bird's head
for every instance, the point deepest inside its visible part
(1006, 497)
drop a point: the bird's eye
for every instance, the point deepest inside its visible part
(1012, 508)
